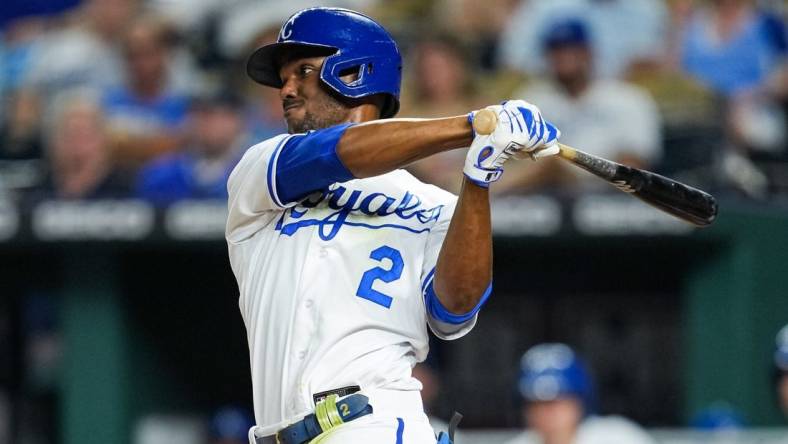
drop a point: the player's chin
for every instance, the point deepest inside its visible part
(295, 120)
(295, 126)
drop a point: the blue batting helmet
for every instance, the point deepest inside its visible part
(554, 371)
(719, 416)
(353, 43)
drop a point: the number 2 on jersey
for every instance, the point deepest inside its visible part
(365, 289)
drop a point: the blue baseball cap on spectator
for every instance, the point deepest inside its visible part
(566, 32)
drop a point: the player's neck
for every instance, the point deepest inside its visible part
(363, 113)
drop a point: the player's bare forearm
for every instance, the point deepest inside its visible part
(464, 268)
(377, 147)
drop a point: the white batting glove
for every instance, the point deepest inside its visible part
(523, 123)
(520, 132)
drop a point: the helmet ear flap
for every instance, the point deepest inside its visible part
(367, 70)
(390, 107)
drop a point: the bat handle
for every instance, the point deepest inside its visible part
(567, 152)
(485, 120)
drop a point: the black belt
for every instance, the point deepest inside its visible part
(329, 413)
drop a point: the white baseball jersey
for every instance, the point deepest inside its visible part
(331, 288)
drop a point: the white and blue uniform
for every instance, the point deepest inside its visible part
(335, 278)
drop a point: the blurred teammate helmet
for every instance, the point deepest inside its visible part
(231, 423)
(718, 416)
(554, 371)
(353, 43)
(781, 352)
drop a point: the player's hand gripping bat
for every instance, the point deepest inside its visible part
(683, 201)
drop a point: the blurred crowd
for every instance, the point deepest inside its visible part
(148, 99)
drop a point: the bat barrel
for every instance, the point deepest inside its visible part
(683, 201)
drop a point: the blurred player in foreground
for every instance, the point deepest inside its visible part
(342, 258)
(558, 408)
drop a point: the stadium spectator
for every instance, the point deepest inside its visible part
(215, 142)
(16, 47)
(605, 117)
(84, 53)
(732, 47)
(76, 147)
(20, 142)
(478, 24)
(559, 402)
(440, 79)
(144, 115)
(642, 22)
(441, 84)
(48, 56)
(741, 53)
(18, 124)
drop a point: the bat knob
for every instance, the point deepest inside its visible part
(485, 121)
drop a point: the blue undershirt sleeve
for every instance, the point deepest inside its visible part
(309, 162)
(437, 311)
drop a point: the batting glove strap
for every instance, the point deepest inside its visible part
(471, 116)
(475, 172)
(484, 162)
(483, 178)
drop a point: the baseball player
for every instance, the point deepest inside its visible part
(559, 402)
(342, 258)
